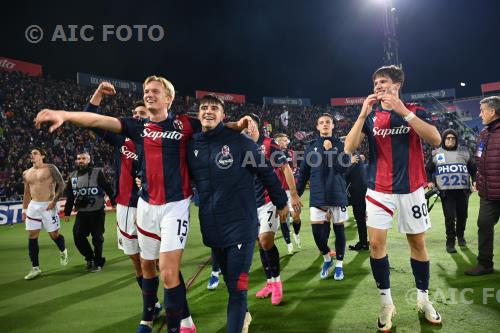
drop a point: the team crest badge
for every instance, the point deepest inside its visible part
(196, 153)
(263, 149)
(178, 125)
(224, 159)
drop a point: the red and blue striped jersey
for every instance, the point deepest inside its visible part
(163, 165)
(125, 163)
(290, 158)
(396, 155)
(274, 155)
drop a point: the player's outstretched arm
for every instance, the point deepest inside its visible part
(356, 136)
(80, 118)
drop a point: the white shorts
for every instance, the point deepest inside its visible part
(413, 217)
(268, 219)
(37, 216)
(162, 228)
(127, 230)
(339, 214)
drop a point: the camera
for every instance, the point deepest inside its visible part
(431, 192)
(81, 202)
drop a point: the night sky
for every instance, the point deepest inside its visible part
(297, 48)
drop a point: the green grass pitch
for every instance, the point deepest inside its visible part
(67, 299)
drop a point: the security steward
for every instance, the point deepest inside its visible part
(85, 190)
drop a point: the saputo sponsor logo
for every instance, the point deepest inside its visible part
(127, 153)
(391, 131)
(148, 133)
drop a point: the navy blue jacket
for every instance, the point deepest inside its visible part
(326, 172)
(219, 163)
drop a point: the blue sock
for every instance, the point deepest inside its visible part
(174, 304)
(274, 261)
(215, 263)
(264, 258)
(285, 230)
(421, 273)
(326, 232)
(319, 239)
(380, 270)
(60, 243)
(339, 240)
(296, 226)
(185, 309)
(33, 251)
(139, 281)
(149, 289)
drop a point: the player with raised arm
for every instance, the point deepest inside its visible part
(163, 206)
(43, 186)
(396, 180)
(126, 166)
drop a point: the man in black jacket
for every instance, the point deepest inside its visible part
(223, 164)
(85, 190)
(356, 179)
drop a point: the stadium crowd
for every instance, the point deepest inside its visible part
(22, 96)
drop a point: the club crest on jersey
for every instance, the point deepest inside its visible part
(263, 150)
(178, 125)
(224, 159)
(440, 158)
(74, 182)
(196, 153)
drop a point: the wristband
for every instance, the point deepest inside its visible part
(409, 116)
(24, 210)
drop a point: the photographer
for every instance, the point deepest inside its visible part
(85, 190)
(450, 167)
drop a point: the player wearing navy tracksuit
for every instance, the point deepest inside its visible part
(223, 164)
(325, 165)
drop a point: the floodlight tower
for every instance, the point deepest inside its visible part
(390, 21)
